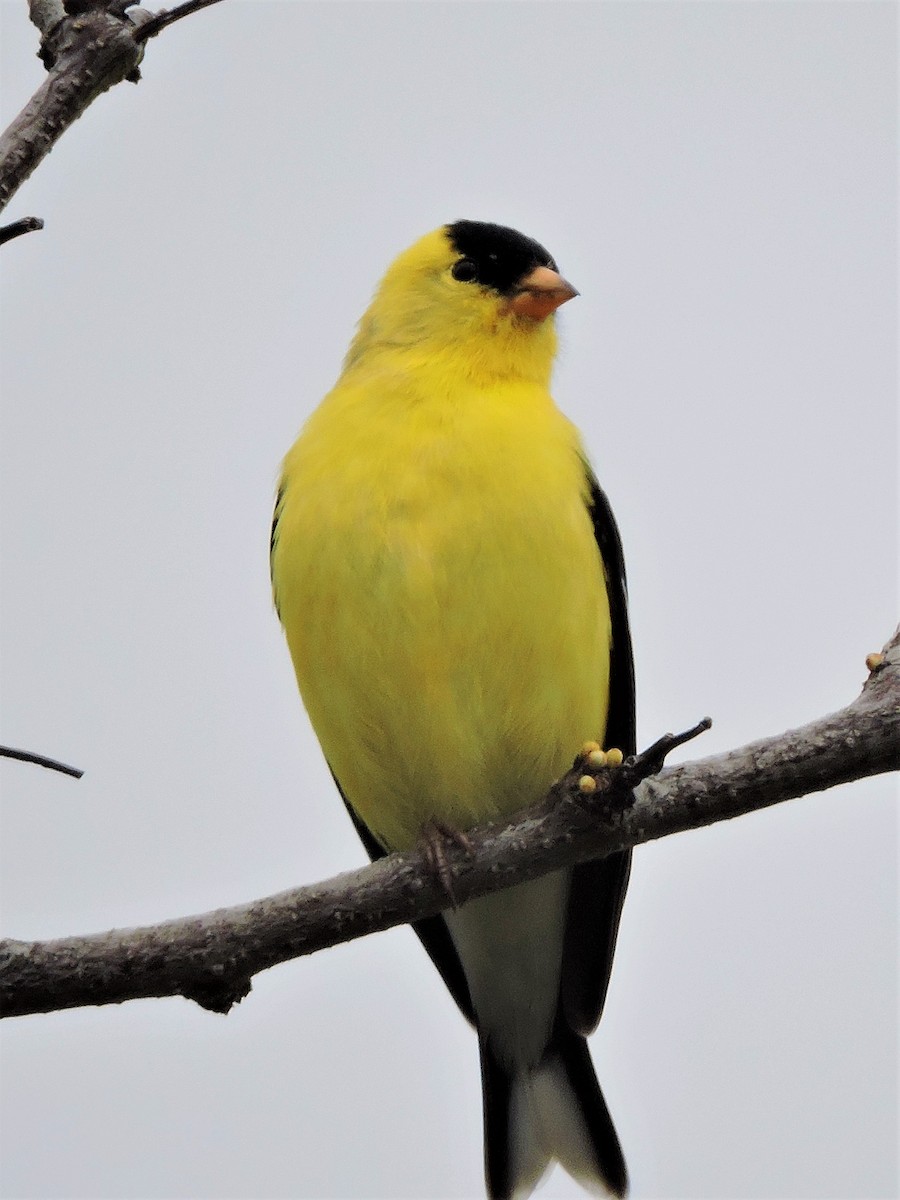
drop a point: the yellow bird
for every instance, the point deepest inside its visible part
(450, 580)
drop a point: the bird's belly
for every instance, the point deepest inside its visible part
(445, 606)
(472, 666)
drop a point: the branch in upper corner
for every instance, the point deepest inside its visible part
(87, 46)
(88, 54)
(17, 228)
(211, 958)
(40, 760)
(160, 20)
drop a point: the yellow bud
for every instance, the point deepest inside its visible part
(614, 757)
(589, 748)
(874, 660)
(597, 758)
(587, 784)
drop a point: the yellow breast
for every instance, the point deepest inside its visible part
(443, 598)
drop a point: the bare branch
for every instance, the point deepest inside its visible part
(46, 15)
(17, 228)
(159, 22)
(210, 958)
(87, 46)
(86, 54)
(40, 760)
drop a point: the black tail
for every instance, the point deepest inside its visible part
(555, 1111)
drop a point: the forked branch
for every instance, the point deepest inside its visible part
(87, 46)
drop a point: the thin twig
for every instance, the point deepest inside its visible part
(663, 747)
(17, 228)
(40, 760)
(169, 16)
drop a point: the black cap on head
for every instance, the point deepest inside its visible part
(495, 256)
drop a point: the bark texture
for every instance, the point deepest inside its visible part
(86, 55)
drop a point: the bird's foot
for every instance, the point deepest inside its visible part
(434, 838)
(595, 757)
(596, 760)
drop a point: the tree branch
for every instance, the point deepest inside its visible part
(46, 15)
(210, 958)
(167, 17)
(86, 55)
(87, 46)
(17, 228)
(40, 760)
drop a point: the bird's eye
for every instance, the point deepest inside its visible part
(464, 270)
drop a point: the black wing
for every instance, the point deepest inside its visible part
(273, 538)
(598, 888)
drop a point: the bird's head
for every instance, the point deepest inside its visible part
(476, 295)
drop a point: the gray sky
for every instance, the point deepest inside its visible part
(719, 181)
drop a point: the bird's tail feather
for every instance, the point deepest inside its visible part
(552, 1112)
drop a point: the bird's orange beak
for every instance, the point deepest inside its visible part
(539, 294)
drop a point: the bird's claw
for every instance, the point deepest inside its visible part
(434, 838)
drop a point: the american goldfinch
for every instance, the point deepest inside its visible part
(450, 580)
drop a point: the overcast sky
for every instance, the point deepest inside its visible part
(719, 181)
